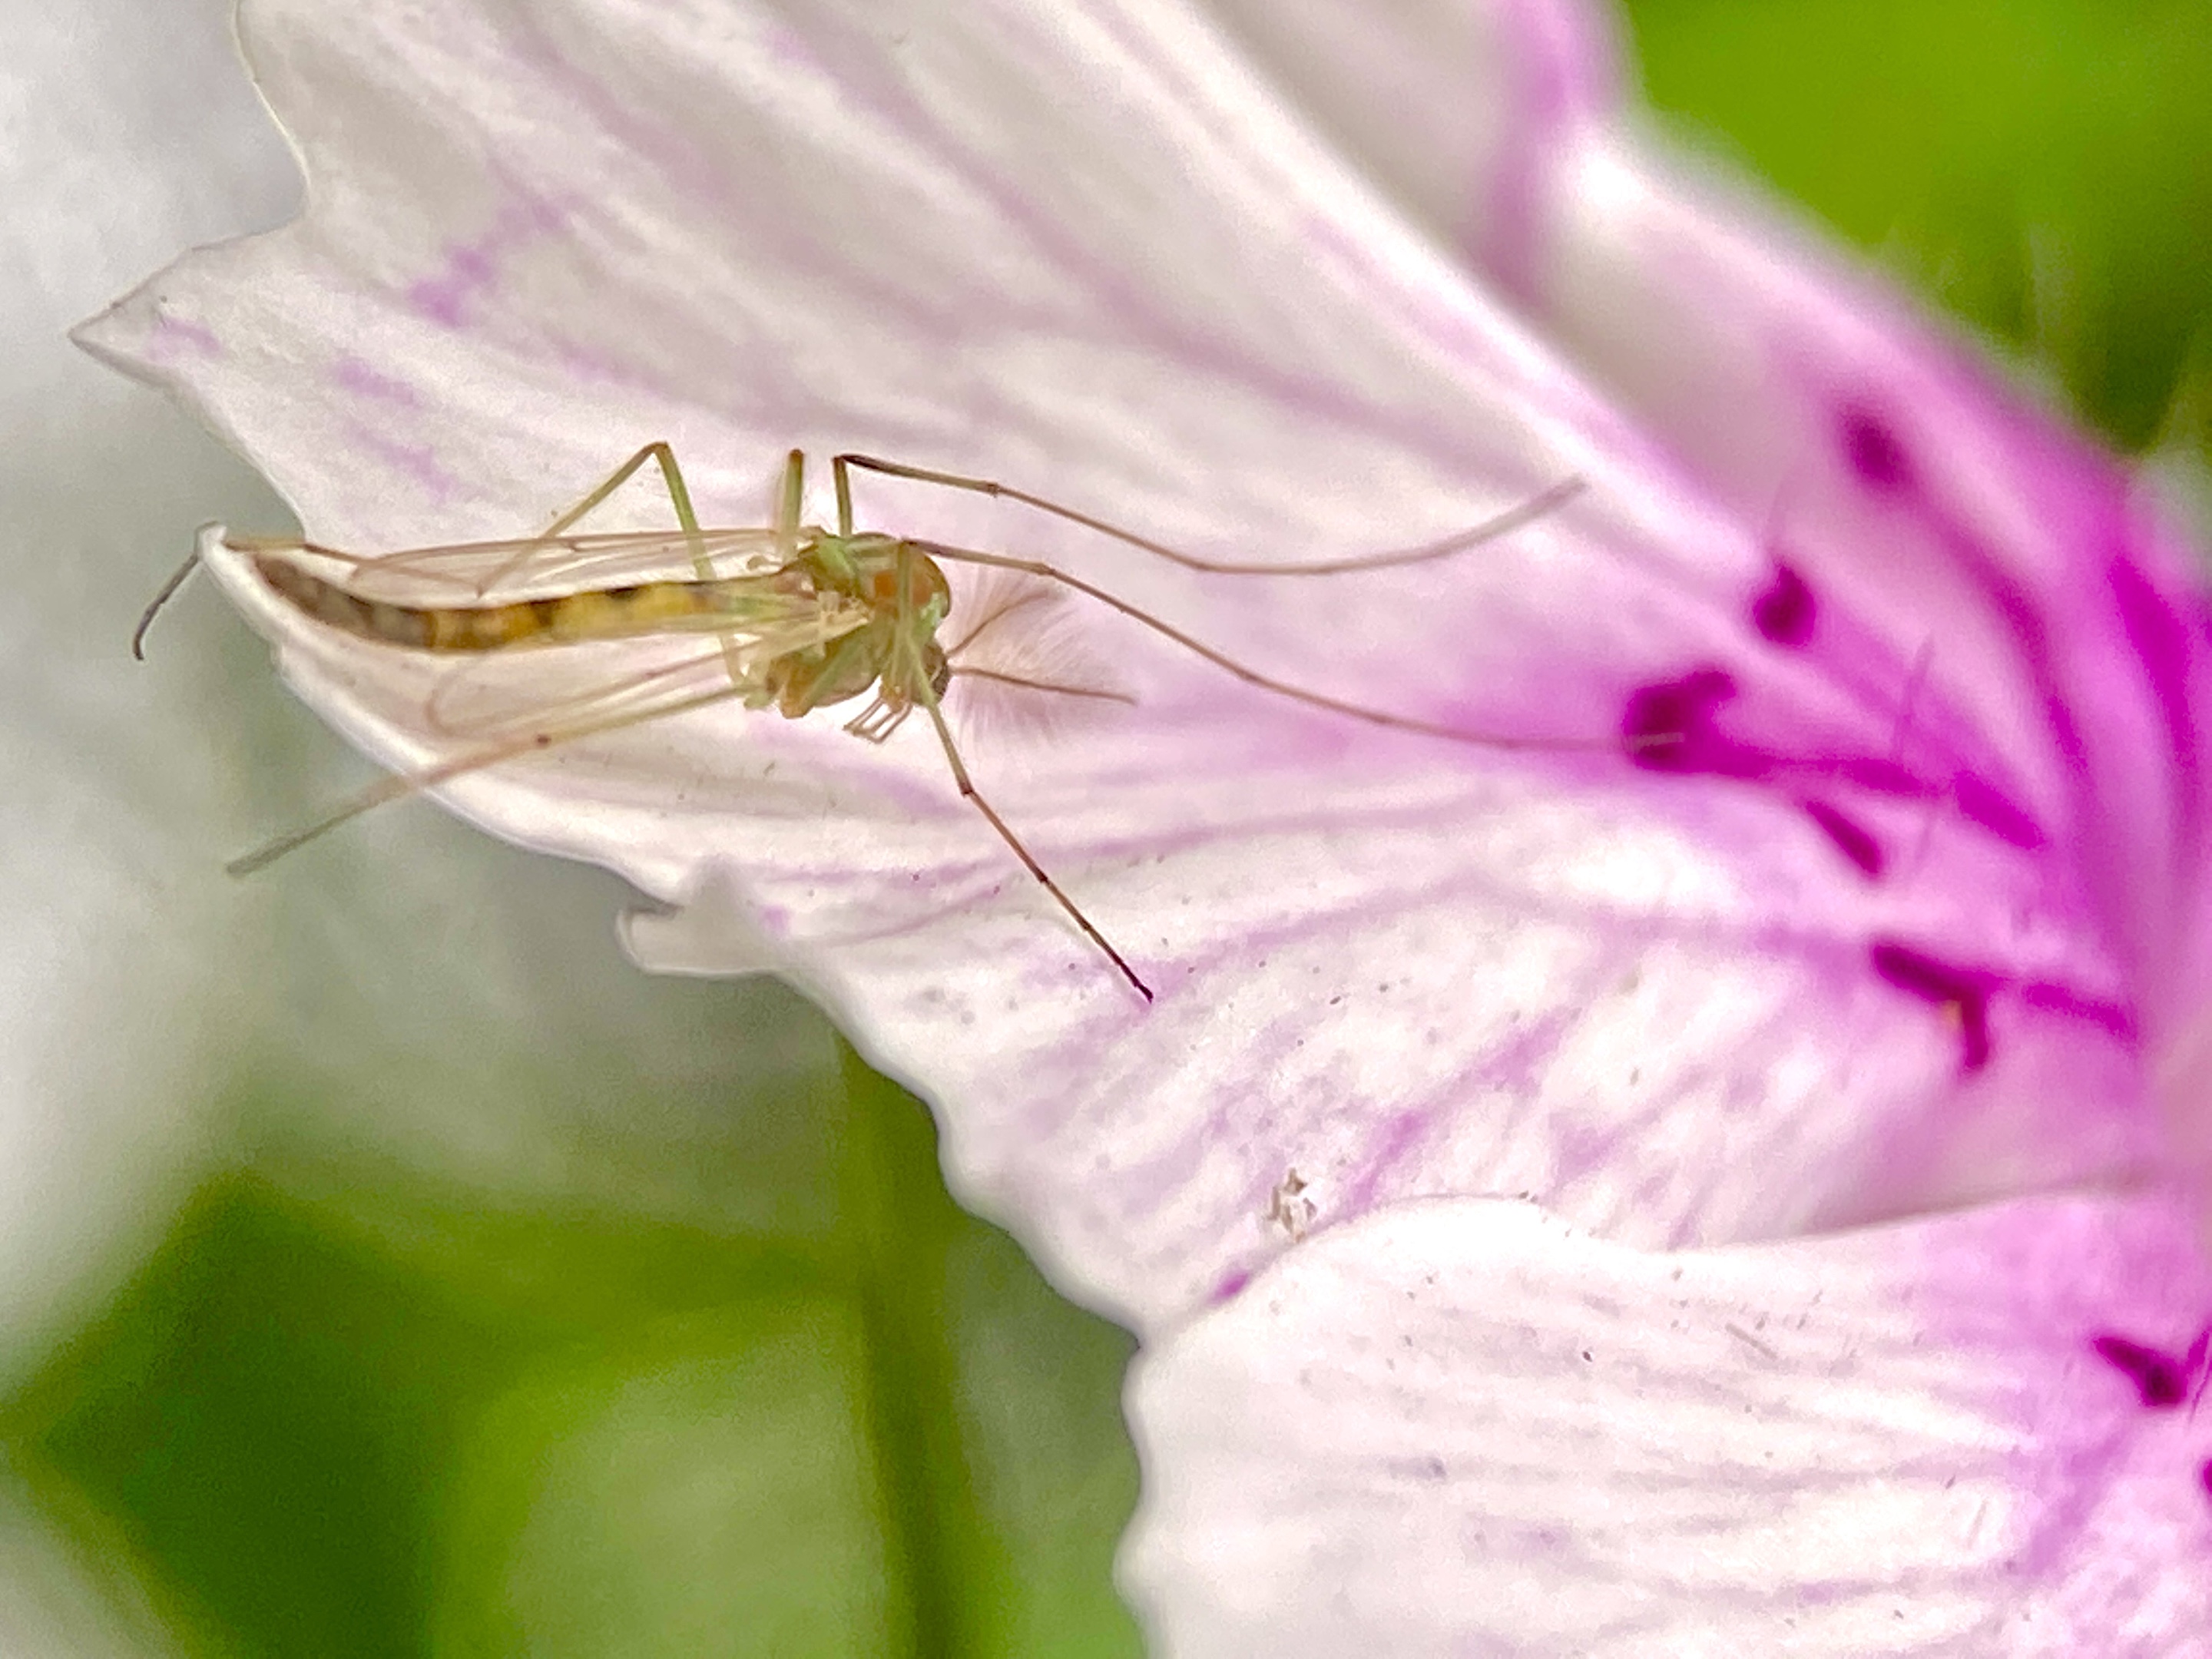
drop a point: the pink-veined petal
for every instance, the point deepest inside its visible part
(1904, 477)
(1463, 1428)
(1831, 952)
(1463, 112)
(1885, 463)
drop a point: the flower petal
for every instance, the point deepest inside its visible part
(1881, 456)
(1773, 971)
(1925, 1438)
(1902, 475)
(1887, 463)
(1459, 110)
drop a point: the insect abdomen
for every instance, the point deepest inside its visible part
(595, 614)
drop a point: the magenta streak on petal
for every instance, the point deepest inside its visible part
(2204, 1476)
(2161, 641)
(352, 374)
(171, 338)
(1400, 1135)
(1685, 712)
(1688, 708)
(1964, 993)
(2086, 506)
(1852, 839)
(2044, 997)
(1875, 454)
(1982, 804)
(1885, 775)
(1672, 726)
(1672, 722)
(472, 268)
(443, 299)
(2161, 1381)
(1785, 611)
(1235, 1280)
(416, 461)
(1880, 460)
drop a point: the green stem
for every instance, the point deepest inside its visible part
(911, 1408)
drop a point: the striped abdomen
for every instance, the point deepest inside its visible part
(594, 614)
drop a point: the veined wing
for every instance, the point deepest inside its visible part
(599, 683)
(699, 679)
(468, 573)
(506, 705)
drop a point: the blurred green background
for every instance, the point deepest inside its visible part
(2041, 169)
(728, 1373)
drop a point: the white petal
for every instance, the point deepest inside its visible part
(1463, 1428)
(1101, 259)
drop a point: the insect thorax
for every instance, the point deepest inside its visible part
(871, 569)
(906, 597)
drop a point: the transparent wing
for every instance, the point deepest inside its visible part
(698, 679)
(466, 572)
(503, 706)
(552, 689)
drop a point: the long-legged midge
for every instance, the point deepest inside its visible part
(815, 618)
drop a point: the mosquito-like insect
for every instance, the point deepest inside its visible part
(794, 618)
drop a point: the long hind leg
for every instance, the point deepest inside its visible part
(1546, 501)
(679, 498)
(687, 517)
(974, 797)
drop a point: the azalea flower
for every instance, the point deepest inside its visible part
(1730, 1169)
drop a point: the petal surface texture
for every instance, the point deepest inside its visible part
(1794, 916)
(1814, 843)
(1460, 1428)
(1882, 462)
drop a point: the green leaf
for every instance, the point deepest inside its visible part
(339, 1413)
(2042, 168)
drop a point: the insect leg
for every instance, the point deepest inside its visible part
(906, 681)
(969, 792)
(687, 520)
(168, 591)
(875, 723)
(1229, 666)
(790, 505)
(1514, 518)
(841, 470)
(679, 496)
(625, 705)
(1100, 693)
